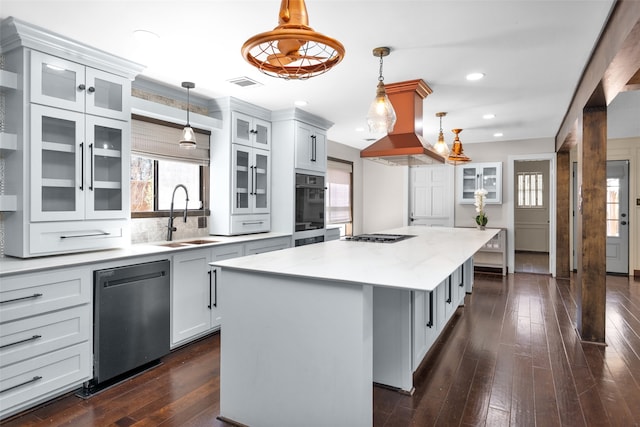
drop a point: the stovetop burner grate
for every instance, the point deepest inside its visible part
(379, 238)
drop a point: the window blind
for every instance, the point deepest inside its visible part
(161, 141)
(339, 194)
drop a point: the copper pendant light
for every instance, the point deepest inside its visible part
(293, 50)
(457, 153)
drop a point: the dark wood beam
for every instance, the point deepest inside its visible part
(614, 61)
(591, 219)
(563, 214)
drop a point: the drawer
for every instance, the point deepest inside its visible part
(246, 224)
(26, 295)
(34, 336)
(267, 245)
(26, 383)
(76, 236)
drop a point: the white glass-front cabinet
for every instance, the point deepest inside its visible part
(77, 165)
(250, 180)
(474, 176)
(72, 86)
(250, 131)
(311, 148)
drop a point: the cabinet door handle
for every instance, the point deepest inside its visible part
(449, 287)
(21, 298)
(33, 338)
(91, 89)
(209, 306)
(251, 190)
(91, 163)
(81, 86)
(82, 164)
(313, 148)
(461, 284)
(430, 323)
(215, 288)
(34, 379)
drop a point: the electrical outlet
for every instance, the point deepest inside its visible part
(202, 222)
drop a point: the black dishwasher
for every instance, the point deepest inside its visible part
(131, 319)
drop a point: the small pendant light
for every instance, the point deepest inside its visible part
(381, 116)
(457, 152)
(188, 140)
(441, 146)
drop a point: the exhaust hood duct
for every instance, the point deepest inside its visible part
(405, 145)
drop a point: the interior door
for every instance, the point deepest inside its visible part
(431, 197)
(618, 216)
(617, 250)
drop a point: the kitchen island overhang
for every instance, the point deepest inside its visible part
(307, 331)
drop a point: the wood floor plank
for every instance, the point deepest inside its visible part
(510, 357)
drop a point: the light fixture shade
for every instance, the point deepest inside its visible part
(457, 153)
(381, 116)
(441, 146)
(293, 50)
(188, 139)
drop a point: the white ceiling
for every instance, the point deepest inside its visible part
(532, 52)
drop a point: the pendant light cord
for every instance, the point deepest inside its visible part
(380, 78)
(188, 107)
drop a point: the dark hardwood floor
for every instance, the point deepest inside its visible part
(511, 356)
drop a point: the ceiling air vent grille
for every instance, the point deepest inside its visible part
(244, 82)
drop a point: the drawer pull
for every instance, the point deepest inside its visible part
(35, 337)
(99, 233)
(252, 222)
(32, 380)
(20, 299)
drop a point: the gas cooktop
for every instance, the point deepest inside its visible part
(379, 238)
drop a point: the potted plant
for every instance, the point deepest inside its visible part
(481, 217)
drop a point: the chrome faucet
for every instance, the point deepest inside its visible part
(170, 226)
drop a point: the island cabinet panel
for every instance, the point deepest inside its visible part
(298, 335)
(424, 325)
(45, 336)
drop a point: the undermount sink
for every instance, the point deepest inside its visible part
(187, 243)
(199, 242)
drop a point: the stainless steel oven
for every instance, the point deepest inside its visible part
(309, 202)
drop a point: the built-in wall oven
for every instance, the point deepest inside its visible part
(309, 226)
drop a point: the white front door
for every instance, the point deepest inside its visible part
(431, 196)
(617, 216)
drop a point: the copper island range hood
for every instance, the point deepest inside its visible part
(405, 145)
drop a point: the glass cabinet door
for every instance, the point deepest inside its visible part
(107, 163)
(469, 183)
(262, 134)
(57, 183)
(261, 181)
(490, 182)
(241, 129)
(242, 175)
(107, 95)
(57, 82)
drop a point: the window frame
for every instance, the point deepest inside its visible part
(541, 199)
(346, 227)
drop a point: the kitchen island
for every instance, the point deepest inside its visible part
(306, 331)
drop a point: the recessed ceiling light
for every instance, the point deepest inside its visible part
(359, 129)
(475, 76)
(489, 116)
(498, 134)
(300, 103)
(146, 36)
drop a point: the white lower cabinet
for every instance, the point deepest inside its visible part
(45, 336)
(267, 245)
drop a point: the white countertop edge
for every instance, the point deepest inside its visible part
(12, 265)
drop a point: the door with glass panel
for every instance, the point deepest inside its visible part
(241, 175)
(260, 181)
(618, 216)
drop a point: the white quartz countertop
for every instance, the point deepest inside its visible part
(418, 263)
(11, 265)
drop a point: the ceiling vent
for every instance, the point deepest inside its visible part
(244, 82)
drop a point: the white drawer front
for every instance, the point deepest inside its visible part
(267, 245)
(245, 224)
(38, 335)
(30, 294)
(24, 383)
(65, 237)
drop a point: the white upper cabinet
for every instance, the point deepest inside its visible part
(250, 131)
(474, 176)
(71, 86)
(310, 147)
(250, 180)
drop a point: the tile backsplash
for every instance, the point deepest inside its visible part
(145, 230)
